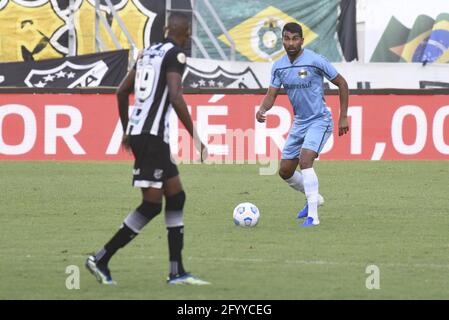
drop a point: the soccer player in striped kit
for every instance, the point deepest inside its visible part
(157, 83)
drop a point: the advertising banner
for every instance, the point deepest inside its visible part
(86, 127)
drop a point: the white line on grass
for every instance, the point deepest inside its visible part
(322, 262)
(304, 262)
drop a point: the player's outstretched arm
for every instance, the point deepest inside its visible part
(267, 103)
(343, 125)
(174, 83)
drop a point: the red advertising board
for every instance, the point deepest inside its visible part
(86, 127)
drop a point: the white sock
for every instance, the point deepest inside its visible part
(311, 190)
(296, 181)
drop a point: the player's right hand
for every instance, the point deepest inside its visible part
(260, 116)
(126, 142)
(204, 153)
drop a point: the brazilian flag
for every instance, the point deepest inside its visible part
(417, 39)
(437, 48)
(255, 27)
(389, 47)
(401, 44)
(426, 41)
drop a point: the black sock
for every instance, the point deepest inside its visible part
(123, 236)
(175, 245)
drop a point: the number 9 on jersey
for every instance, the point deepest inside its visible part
(145, 75)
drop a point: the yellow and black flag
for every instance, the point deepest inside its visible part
(34, 30)
(30, 31)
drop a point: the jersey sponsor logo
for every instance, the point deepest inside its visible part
(298, 85)
(68, 75)
(155, 52)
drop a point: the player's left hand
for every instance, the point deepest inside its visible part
(260, 116)
(343, 125)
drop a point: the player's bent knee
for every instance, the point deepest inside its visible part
(305, 163)
(143, 214)
(174, 216)
(175, 202)
(285, 173)
(149, 209)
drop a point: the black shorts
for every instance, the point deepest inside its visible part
(153, 164)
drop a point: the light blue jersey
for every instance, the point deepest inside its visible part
(302, 79)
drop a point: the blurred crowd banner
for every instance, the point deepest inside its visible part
(407, 31)
(87, 127)
(204, 74)
(93, 70)
(38, 29)
(255, 27)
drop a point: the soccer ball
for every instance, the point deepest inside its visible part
(246, 215)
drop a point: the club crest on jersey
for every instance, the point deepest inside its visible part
(158, 173)
(68, 75)
(303, 73)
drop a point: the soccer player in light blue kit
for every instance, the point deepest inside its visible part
(301, 73)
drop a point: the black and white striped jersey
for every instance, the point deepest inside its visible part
(152, 105)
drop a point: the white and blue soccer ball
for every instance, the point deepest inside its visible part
(246, 215)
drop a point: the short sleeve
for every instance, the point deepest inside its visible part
(139, 55)
(175, 61)
(275, 77)
(327, 68)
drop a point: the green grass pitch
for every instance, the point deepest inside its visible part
(392, 214)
